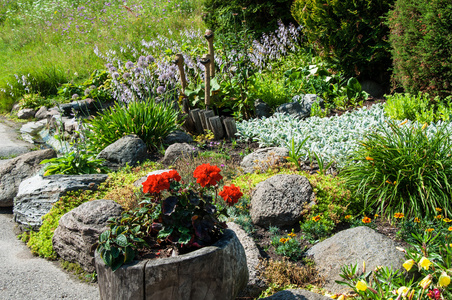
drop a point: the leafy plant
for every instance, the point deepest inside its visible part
(187, 218)
(295, 153)
(151, 121)
(94, 87)
(316, 228)
(34, 101)
(74, 163)
(418, 107)
(403, 169)
(289, 246)
(348, 34)
(421, 46)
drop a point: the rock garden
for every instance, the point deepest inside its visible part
(255, 159)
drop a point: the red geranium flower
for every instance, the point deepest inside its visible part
(206, 174)
(160, 182)
(231, 194)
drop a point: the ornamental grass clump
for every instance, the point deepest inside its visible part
(149, 120)
(403, 169)
(172, 215)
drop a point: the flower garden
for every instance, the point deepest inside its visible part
(382, 161)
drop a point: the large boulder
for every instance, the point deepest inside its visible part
(37, 194)
(79, 230)
(179, 150)
(128, 150)
(353, 246)
(262, 159)
(296, 295)
(15, 170)
(30, 130)
(26, 113)
(279, 200)
(177, 136)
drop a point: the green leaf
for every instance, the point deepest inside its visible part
(104, 236)
(165, 232)
(115, 252)
(184, 238)
(121, 240)
(108, 258)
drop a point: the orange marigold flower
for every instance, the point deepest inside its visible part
(292, 234)
(438, 217)
(206, 174)
(430, 229)
(347, 217)
(416, 220)
(399, 215)
(450, 228)
(366, 220)
(376, 216)
(369, 158)
(438, 209)
(231, 194)
(316, 218)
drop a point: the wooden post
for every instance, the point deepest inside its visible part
(231, 129)
(179, 61)
(194, 114)
(209, 37)
(205, 60)
(206, 115)
(217, 127)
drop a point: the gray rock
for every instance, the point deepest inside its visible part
(306, 102)
(353, 246)
(216, 272)
(372, 88)
(255, 284)
(177, 151)
(30, 130)
(71, 125)
(37, 194)
(177, 136)
(26, 113)
(16, 170)
(128, 150)
(262, 159)
(262, 109)
(79, 230)
(296, 295)
(41, 113)
(279, 200)
(293, 109)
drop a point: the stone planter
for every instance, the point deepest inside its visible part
(217, 272)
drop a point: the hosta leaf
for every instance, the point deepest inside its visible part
(121, 240)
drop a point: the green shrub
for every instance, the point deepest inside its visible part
(151, 121)
(403, 169)
(349, 34)
(260, 15)
(34, 101)
(419, 108)
(74, 163)
(421, 41)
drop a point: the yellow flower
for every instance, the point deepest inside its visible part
(450, 228)
(425, 283)
(424, 126)
(438, 217)
(361, 285)
(348, 217)
(376, 216)
(283, 240)
(341, 297)
(399, 215)
(438, 209)
(429, 229)
(403, 123)
(369, 158)
(292, 234)
(366, 220)
(316, 218)
(408, 264)
(444, 280)
(416, 220)
(447, 220)
(424, 263)
(403, 290)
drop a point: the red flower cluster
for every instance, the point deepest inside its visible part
(231, 194)
(160, 182)
(206, 174)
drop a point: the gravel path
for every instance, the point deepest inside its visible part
(26, 277)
